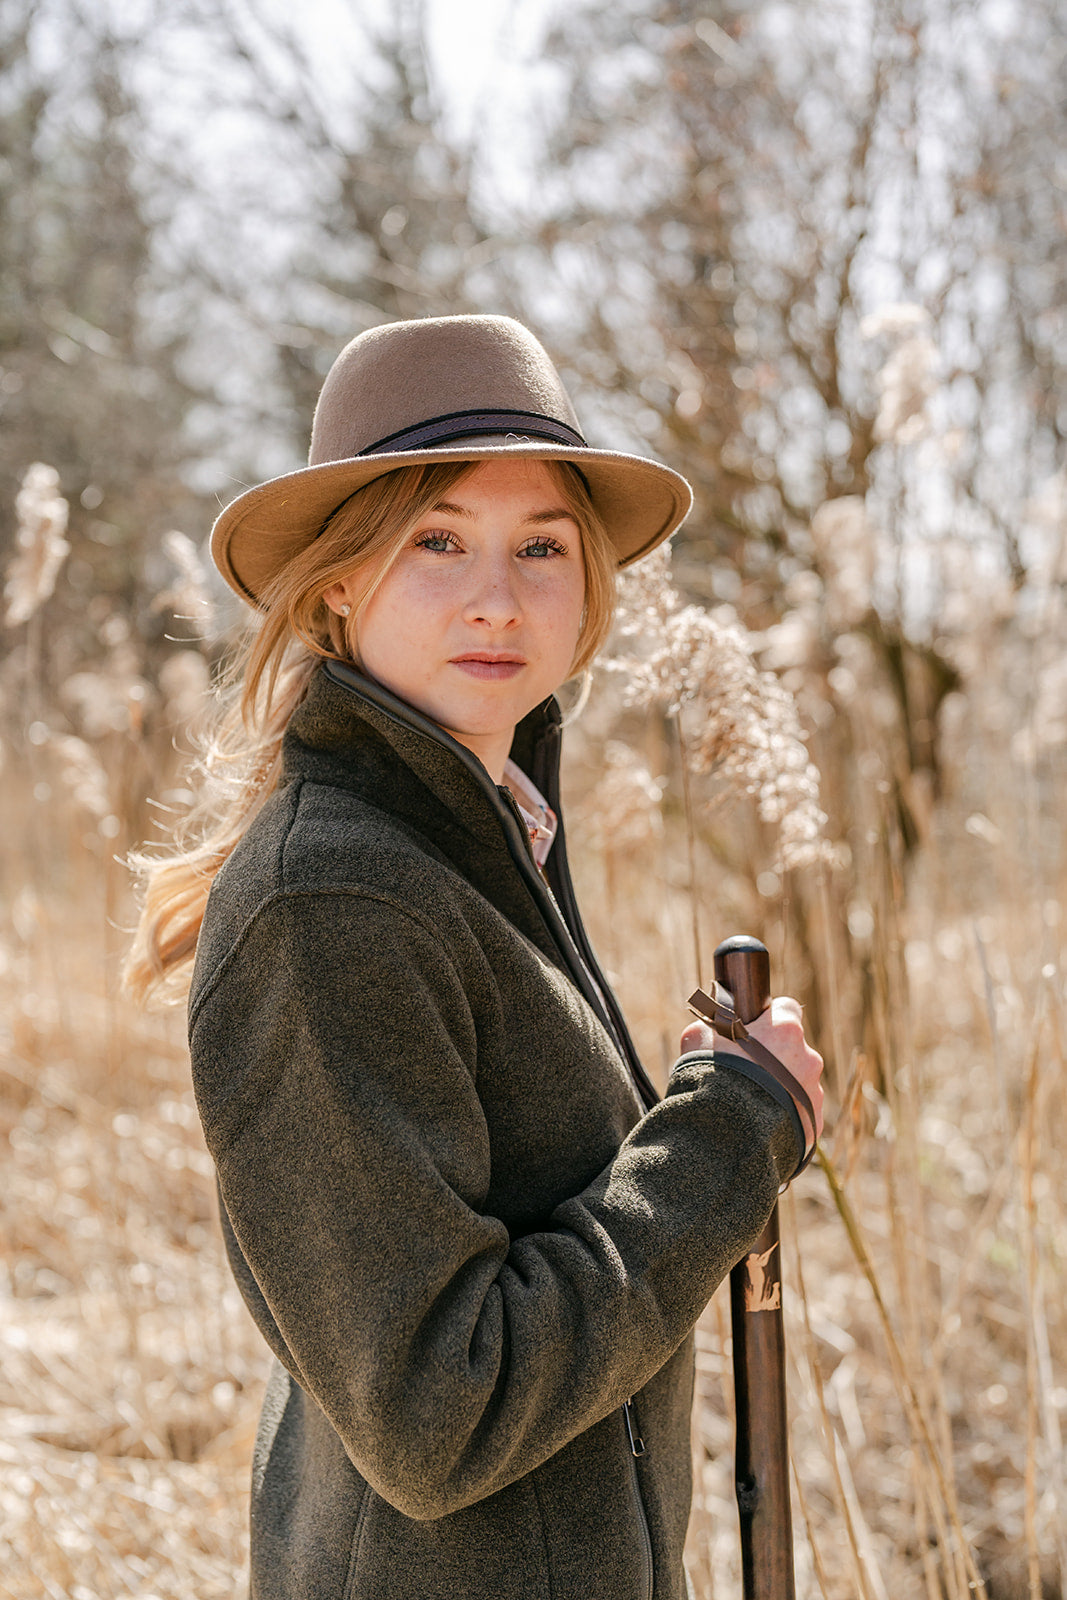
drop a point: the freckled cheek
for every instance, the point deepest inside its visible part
(546, 583)
(431, 594)
(562, 609)
(401, 605)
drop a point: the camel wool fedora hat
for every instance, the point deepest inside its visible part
(467, 388)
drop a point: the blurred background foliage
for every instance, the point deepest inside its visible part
(810, 255)
(805, 252)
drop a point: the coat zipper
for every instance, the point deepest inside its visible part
(636, 1444)
(572, 920)
(635, 1448)
(546, 776)
(573, 946)
(580, 963)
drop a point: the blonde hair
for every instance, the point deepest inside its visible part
(240, 757)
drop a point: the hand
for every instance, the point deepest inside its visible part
(781, 1029)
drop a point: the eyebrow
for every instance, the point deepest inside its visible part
(555, 514)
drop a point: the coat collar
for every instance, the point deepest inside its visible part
(350, 732)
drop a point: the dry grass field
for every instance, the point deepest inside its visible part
(925, 1259)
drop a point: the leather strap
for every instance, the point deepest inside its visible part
(718, 1010)
(462, 424)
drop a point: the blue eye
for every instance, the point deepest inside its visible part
(542, 548)
(436, 541)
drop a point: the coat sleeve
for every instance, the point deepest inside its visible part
(352, 1156)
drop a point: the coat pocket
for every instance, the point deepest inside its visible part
(494, 1550)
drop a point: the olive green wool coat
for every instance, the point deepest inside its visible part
(461, 1222)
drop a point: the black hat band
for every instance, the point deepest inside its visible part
(462, 424)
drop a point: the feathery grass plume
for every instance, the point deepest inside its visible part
(739, 724)
(847, 544)
(83, 774)
(185, 684)
(111, 695)
(40, 546)
(906, 380)
(623, 808)
(111, 700)
(793, 641)
(189, 596)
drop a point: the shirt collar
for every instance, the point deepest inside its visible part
(537, 814)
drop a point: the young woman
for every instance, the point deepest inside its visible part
(474, 1237)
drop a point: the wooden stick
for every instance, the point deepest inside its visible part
(761, 1470)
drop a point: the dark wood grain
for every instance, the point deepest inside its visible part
(761, 1469)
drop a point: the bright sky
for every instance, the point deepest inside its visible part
(493, 80)
(467, 40)
(484, 53)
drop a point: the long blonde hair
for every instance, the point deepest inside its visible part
(239, 761)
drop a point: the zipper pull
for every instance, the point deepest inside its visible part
(637, 1444)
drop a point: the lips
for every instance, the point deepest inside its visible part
(490, 666)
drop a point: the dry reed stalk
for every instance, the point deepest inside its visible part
(908, 1231)
(923, 1518)
(40, 548)
(813, 1544)
(1027, 1140)
(125, 1364)
(695, 895)
(950, 1312)
(839, 1052)
(1051, 1426)
(914, 1410)
(905, 1220)
(1022, 1148)
(918, 1312)
(845, 1500)
(712, 1549)
(621, 813)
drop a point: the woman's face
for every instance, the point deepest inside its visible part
(477, 621)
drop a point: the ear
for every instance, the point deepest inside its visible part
(336, 596)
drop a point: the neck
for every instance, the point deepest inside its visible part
(492, 750)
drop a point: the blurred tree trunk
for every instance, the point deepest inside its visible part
(382, 222)
(90, 378)
(814, 259)
(751, 189)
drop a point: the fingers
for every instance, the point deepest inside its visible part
(781, 1029)
(784, 1008)
(698, 1036)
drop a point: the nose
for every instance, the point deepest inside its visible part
(492, 600)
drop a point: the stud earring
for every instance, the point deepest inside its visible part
(345, 610)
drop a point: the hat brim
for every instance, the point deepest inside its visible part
(640, 502)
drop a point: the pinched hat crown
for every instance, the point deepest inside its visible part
(437, 389)
(411, 385)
